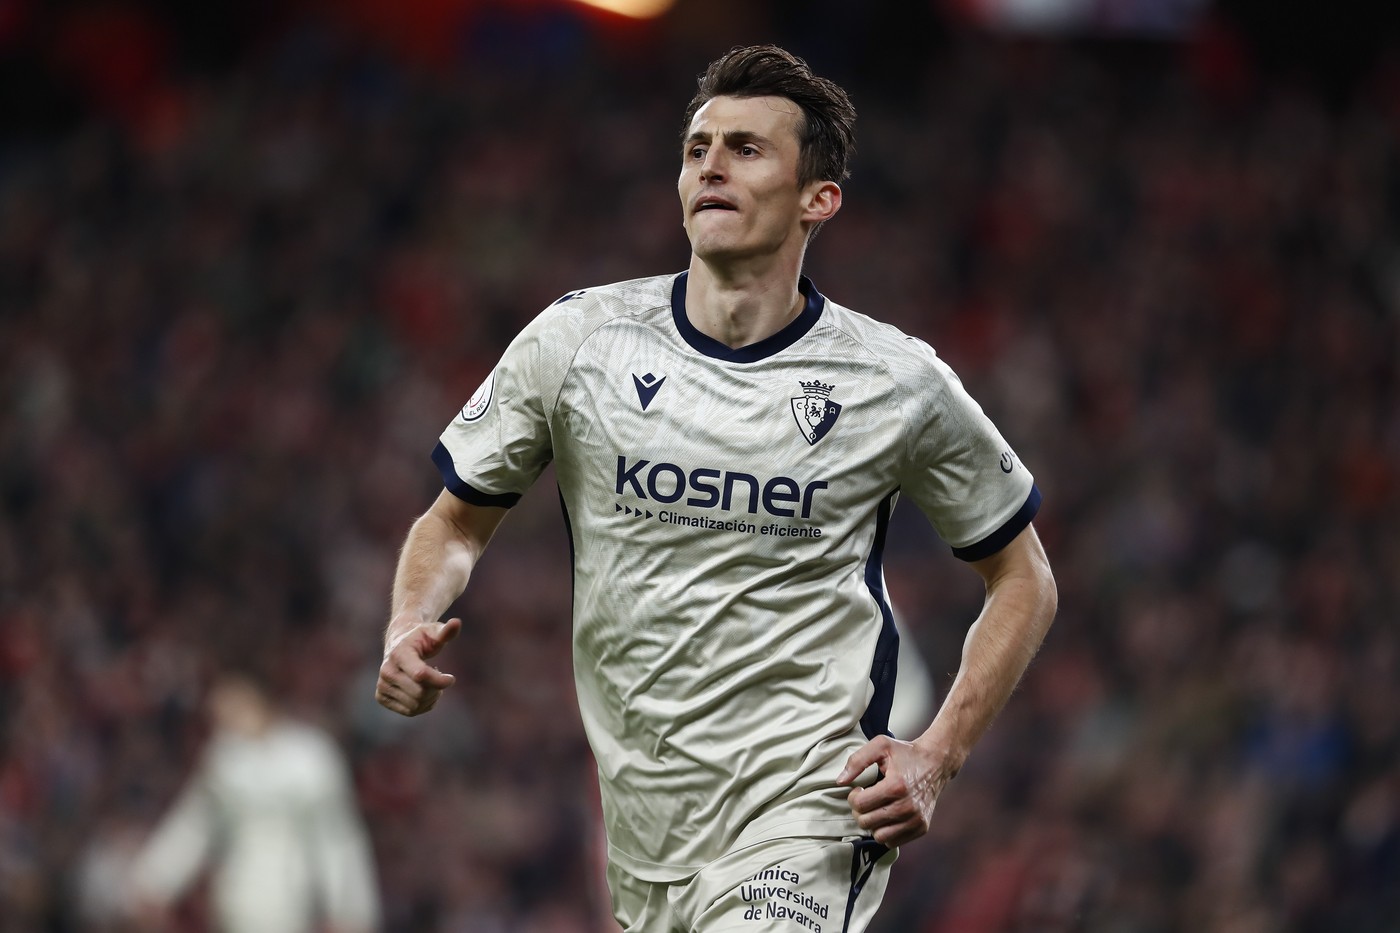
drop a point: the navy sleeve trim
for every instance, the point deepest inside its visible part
(1002, 536)
(463, 490)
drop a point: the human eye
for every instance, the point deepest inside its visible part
(747, 150)
(695, 153)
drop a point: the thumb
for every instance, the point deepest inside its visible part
(871, 753)
(441, 635)
(425, 673)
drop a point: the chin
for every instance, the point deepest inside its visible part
(717, 257)
(712, 248)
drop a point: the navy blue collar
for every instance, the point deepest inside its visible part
(794, 331)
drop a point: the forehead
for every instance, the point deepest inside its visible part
(768, 116)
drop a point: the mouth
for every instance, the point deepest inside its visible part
(711, 203)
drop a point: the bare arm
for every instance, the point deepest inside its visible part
(1019, 607)
(1017, 612)
(437, 560)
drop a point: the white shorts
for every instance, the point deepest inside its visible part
(817, 885)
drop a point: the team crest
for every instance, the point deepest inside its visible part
(814, 410)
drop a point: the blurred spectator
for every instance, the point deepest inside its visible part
(271, 811)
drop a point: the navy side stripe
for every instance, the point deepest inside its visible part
(573, 562)
(884, 666)
(464, 490)
(1002, 536)
(864, 852)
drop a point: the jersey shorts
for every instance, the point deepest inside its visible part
(727, 512)
(779, 886)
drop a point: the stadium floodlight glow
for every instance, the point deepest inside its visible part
(633, 9)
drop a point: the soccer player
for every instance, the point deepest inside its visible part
(271, 811)
(729, 444)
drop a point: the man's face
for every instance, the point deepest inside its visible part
(738, 181)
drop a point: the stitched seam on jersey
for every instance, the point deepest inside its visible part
(884, 365)
(569, 368)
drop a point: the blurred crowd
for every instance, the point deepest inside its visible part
(230, 336)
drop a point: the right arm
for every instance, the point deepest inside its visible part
(437, 559)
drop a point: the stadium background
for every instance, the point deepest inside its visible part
(253, 256)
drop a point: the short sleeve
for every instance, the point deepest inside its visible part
(961, 472)
(500, 441)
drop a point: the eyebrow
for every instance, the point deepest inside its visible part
(736, 138)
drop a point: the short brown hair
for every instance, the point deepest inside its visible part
(826, 131)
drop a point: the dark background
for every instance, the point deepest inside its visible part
(254, 256)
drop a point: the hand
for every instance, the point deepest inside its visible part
(408, 685)
(898, 808)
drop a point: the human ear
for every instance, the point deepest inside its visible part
(822, 201)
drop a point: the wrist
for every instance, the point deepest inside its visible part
(947, 755)
(401, 625)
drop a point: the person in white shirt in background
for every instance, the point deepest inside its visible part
(270, 812)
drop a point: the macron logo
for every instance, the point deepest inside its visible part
(647, 387)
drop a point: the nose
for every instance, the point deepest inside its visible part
(712, 166)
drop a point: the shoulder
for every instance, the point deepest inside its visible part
(570, 321)
(653, 291)
(311, 745)
(582, 311)
(910, 362)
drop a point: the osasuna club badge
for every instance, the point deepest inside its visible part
(814, 410)
(480, 400)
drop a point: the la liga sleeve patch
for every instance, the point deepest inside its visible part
(481, 399)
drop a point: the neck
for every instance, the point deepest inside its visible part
(741, 307)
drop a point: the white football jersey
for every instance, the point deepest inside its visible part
(727, 511)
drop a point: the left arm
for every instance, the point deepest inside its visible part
(1019, 607)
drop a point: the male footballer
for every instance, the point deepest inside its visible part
(729, 444)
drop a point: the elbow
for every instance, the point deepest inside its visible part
(1049, 597)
